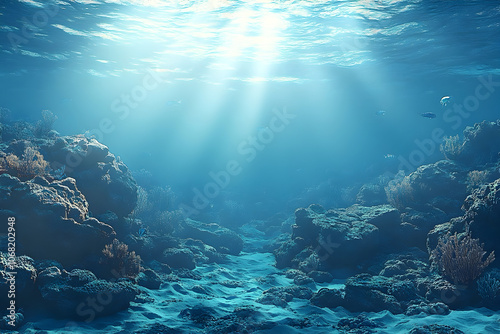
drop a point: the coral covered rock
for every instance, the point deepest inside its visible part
(481, 144)
(340, 238)
(441, 185)
(105, 181)
(221, 238)
(330, 298)
(52, 219)
(482, 215)
(78, 294)
(435, 329)
(17, 273)
(370, 294)
(371, 194)
(280, 296)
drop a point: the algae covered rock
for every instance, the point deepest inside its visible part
(340, 238)
(80, 295)
(52, 219)
(221, 238)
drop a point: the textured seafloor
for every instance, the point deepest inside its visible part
(238, 283)
(369, 268)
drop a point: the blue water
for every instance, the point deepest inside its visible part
(182, 88)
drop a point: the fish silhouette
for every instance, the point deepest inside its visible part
(428, 115)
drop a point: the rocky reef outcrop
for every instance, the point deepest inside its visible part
(52, 219)
(337, 239)
(79, 295)
(481, 218)
(388, 253)
(480, 145)
(102, 177)
(222, 239)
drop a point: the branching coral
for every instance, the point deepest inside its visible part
(28, 166)
(476, 178)
(461, 259)
(151, 209)
(488, 287)
(120, 261)
(451, 147)
(399, 193)
(43, 127)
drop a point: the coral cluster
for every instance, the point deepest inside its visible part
(461, 259)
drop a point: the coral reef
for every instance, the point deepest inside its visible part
(49, 210)
(340, 238)
(92, 242)
(79, 295)
(461, 260)
(121, 262)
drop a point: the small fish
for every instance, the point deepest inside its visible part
(389, 156)
(445, 100)
(428, 115)
(141, 232)
(173, 103)
(380, 113)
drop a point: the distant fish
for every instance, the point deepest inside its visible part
(141, 232)
(445, 100)
(389, 156)
(380, 113)
(173, 103)
(428, 115)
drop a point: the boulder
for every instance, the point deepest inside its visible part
(280, 296)
(340, 238)
(52, 219)
(221, 238)
(320, 276)
(481, 144)
(105, 181)
(80, 295)
(482, 209)
(366, 293)
(435, 329)
(149, 279)
(442, 185)
(428, 309)
(19, 270)
(360, 324)
(330, 298)
(371, 194)
(417, 224)
(179, 258)
(482, 212)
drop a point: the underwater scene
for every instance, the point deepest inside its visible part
(230, 166)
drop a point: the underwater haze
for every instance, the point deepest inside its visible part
(238, 113)
(184, 83)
